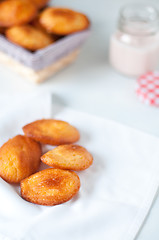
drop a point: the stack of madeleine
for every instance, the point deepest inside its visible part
(32, 25)
(20, 159)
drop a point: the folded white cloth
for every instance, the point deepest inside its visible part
(116, 191)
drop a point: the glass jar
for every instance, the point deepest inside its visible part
(134, 47)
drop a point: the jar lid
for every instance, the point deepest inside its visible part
(147, 88)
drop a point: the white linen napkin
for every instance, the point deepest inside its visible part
(116, 192)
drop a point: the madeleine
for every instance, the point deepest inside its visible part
(63, 21)
(70, 156)
(16, 12)
(51, 131)
(19, 158)
(29, 37)
(50, 187)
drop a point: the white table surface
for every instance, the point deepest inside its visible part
(91, 85)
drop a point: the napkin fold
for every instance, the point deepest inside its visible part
(116, 192)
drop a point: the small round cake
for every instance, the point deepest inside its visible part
(51, 131)
(63, 21)
(70, 156)
(50, 187)
(19, 158)
(16, 12)
(29, 37)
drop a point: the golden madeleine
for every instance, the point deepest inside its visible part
(16, 12)
(19, 158)
(69, 156)
(63, 21)
(51, 131)
(50, 187)
(29, 37)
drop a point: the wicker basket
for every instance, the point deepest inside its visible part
(40, 65)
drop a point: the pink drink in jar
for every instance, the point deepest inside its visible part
(134, 47)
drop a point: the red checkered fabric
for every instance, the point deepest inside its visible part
(148, 88)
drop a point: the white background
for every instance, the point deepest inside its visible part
(91, 85)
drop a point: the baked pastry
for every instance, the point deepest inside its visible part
(29, 37)
(70, 156)
(19, 158)
(63, 21)
(50, 187)
(51, 131)
(16, 12)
